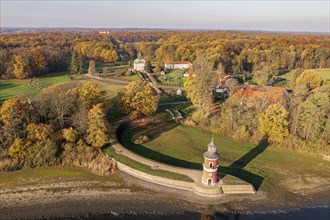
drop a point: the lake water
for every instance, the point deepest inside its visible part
(319, 213)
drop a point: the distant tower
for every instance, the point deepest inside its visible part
(210, 165)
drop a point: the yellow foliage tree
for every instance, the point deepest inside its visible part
(274, 123)
(70, 134)
(138, 99)
(19, 148)
(97, 127)
(310, 79)
(13, 111)
(21, 67)
(91, 95)
(38, 132)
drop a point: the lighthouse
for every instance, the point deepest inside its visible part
(210, 165)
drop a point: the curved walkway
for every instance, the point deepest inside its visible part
(120, 149)
(195, 175)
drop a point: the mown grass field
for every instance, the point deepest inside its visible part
(173, 77)
(20, 88)
(272, 169)
(286, 79)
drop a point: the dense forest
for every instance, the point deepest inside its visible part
(242, 54)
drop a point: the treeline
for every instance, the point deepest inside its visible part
(27, 55)
(243, 54)
(66, 125)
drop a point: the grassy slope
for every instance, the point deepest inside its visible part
(19, 88)
(266, 167)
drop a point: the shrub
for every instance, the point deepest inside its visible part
(141, 139)
(11, 164)
(42, 154)
(81, 155)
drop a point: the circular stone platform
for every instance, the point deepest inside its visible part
(209, 191)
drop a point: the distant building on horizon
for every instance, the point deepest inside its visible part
(104, 32)
(177, 65)
(139, 63)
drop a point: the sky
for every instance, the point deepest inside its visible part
(278, 15)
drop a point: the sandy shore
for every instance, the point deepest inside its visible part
(73, 199)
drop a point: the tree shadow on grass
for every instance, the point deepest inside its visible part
(235, 169)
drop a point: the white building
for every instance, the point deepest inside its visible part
(177, 65)
(139, 63)
(104, 32)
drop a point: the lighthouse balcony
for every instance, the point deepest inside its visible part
(210, 169)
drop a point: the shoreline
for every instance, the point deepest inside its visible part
(71, 199)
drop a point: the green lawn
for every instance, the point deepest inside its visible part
(19, 88)
(144, 168)
(173, 77)
(286, 79)
(266, 168)
(325, 73)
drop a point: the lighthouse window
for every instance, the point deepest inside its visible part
(210, 174)
(211, 165)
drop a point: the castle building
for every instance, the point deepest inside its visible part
(210, 165)
(139, 63)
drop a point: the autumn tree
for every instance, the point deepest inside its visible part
(91, 67)
(14, 116)
(97, 127)
(19, 148)
(76, 63)
(56, 105)
(38, 62)
(90, 94)
(70, 134)
(38, 132)
(21, 67)
(138, 99)
(200, 84)
(273, 123)
(309, 78)
(314, 115)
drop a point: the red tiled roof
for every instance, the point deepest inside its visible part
(252, 92)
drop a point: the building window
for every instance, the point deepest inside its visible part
(211, 165)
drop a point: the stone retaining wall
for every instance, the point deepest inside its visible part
(156, 179)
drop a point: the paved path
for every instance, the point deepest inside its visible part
(195, 175)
